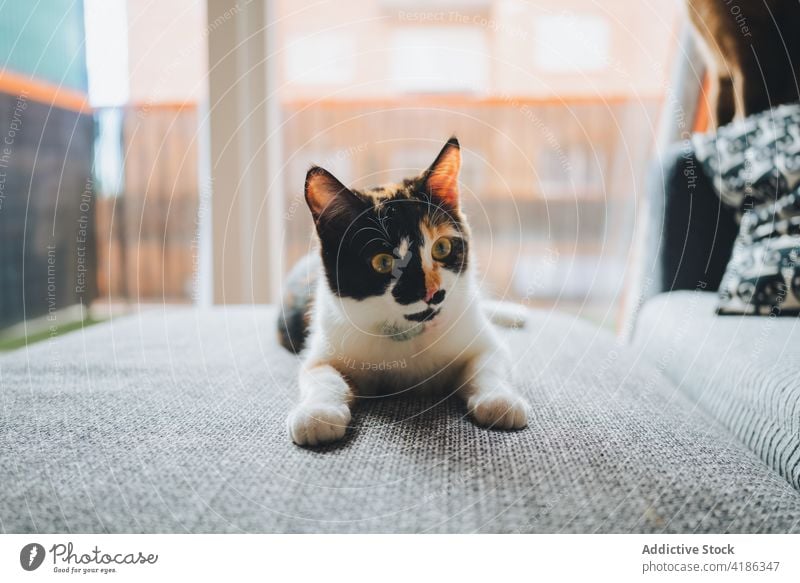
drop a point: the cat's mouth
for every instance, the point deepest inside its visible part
(423, 316)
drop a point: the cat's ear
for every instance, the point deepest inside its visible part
(441, 179)
(325, 194)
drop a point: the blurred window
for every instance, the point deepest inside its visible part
(321, 59)
(439, 60)
(572, 42)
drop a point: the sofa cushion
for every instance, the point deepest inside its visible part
(173, 421)
(742, 370)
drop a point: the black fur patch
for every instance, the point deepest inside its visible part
(298, 297)
(374, 225)
(423, 316)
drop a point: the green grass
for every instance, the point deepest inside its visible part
(20, 341)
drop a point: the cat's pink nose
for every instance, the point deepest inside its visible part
(430, 292)
(434, 297)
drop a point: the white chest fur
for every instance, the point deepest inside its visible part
(388, 357)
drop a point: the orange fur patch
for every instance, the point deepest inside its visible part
(443, 179)
(430, 233)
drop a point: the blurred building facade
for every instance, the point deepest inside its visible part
(47, 245)
(147, 213)
(555, 104)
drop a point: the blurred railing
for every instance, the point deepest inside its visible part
(550, 187)
(147, 228)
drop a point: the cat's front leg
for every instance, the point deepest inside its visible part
(490, 397)
(323, 413)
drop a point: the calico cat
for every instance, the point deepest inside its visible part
(752, 50)
(395, 306)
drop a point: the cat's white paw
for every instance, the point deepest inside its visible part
(315, 424)
(498, 410)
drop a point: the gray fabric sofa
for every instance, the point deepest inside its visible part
(173, 421)
(744, 371)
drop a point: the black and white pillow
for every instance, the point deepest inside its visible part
(763, 274)
(755, 164)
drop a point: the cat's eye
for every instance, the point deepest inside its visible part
(441, 248)
(383, 263)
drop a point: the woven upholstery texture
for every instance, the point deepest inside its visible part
(742, 370)
(173, 421)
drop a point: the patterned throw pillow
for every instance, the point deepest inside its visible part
(763, 274)
(755, 164)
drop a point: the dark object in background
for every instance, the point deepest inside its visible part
(47, 249)
(692, 232)
(753, 54)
